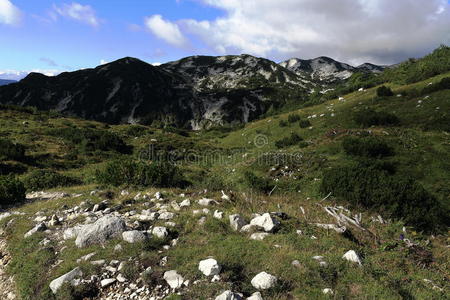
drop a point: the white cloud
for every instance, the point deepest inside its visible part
(381, 31)
(9, 14)
(103, 62)
(81, 13)
(166, 30)
(18, 75)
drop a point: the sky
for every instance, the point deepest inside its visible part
(51, 36)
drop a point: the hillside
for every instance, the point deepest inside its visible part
(5, 81)
(287, 172)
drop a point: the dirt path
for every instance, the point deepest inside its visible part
(7, 290)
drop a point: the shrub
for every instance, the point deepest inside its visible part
(384, 91)
(304, 123)
(366, 146)
(47, 179)
(283, 123)
(444, 84)
(258, 183)
(78, 292)
(394, 195)
(11, 151)
(132, 173)
(293, 139)
(293, 118)
(11, 190)
(370, 117)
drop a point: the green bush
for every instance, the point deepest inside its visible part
(395, 196)
(134, 173)
(283, 123)
(367, 118)
(88, 140)
(11, 190)
(444, 84)
(257, 183)
(47, 179)
(79, 292)
(304, 123)
(292, 118)
(384, 91)
(11, 151)
(366, 146)
(293, 139)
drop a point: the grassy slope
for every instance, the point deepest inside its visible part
(386, 274)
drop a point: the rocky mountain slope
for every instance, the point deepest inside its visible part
(6, 81)
(326, 70)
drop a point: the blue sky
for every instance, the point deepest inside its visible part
(51, 36)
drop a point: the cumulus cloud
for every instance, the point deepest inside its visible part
(81, 13)
(9, 14)
(355, 31)
(166, 30)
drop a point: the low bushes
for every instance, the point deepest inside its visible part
(293, 139)
(292, 118)
(444, 84)
(367, 118)
(11, 151)
(396, 196)
(283, 123)
(46, 179)
(304, 123)
(257, 183)
(366, 146)
(134, 173)
(11, 190)
(384, 91)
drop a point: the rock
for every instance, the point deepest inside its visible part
(99, 262)
(166, 216)
(296, 263)
(263, 281)
(118, 248)
(121, 278)
(216, 278)
(327, 291)
(54, 221)
(218, 214)
(259, 236)
(237, 222)
(338, 229)
(107, 282)
(185, 203)
(209, 267)
(249, 228)
(133, 236)
(158, 196)
(201, 221)
(160, 232)
(38, 228)
(225, 196)
(175, 205)
(255, 296)
(206, 202)
(103, 229)
(173, 279)
(86, 257)
(266, 222)
(352, 256)
(56, 284)
(229, 295)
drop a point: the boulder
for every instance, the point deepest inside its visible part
(255, 296)
(328, 291)
(259, 236)
(160, 232)
(38, 228)
(173, 279)
(185, 203)
(218, 214)
(209, 267)
(266, 222)
(229, 295)
(263, 281)
(56, 284)
(206, 202)
(103, 229)
(237, 222)
(107, 282)
(166, 216)
(352, 256)
(133, 236)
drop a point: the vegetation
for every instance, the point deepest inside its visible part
(384, 91)
(367, 147)
(12, 190)
(293, 139)
(11, 151)
(367, 118)
(38, 180)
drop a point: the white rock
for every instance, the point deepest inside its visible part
(121, 278)
(166, 216)
(160, 232)
(103, 229)
(86, 257)
(38, 228)
(225, 196)
(263, 281)
(107, 282)
(206, 202)
(255, 296)
(352, 256)
(173, 279)
(209, 267)
(259, 236)
(249, 228)
(229, 295)
(237, 222)
(327, 291)
(266, 222)
(175, 205)
(218, 214)
(56, 284)
(185, 203)
(133, 236)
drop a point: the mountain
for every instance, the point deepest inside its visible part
(6, 81)
(326, 70)
(194, 92)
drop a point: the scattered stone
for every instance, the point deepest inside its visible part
(158, 196)
(86, 257)
(225, 196)
(202, 220)
(133, 236)
(118, 248)
(259, 236)
(249, 228)
(173, 279)
(338, 229)
(103, 229)
(266, 222)
(160, 232)
(209, 267)
(107, 282)
(352, 256)
(237, 222)
(38, 228)
(56, 284)
(185, 203)
(229, 295)
(99, 262)
(218, 214)
(166, 216)
(263, 281)
(255, 296)
(206, 202)
(327, 291)
(121, 278)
